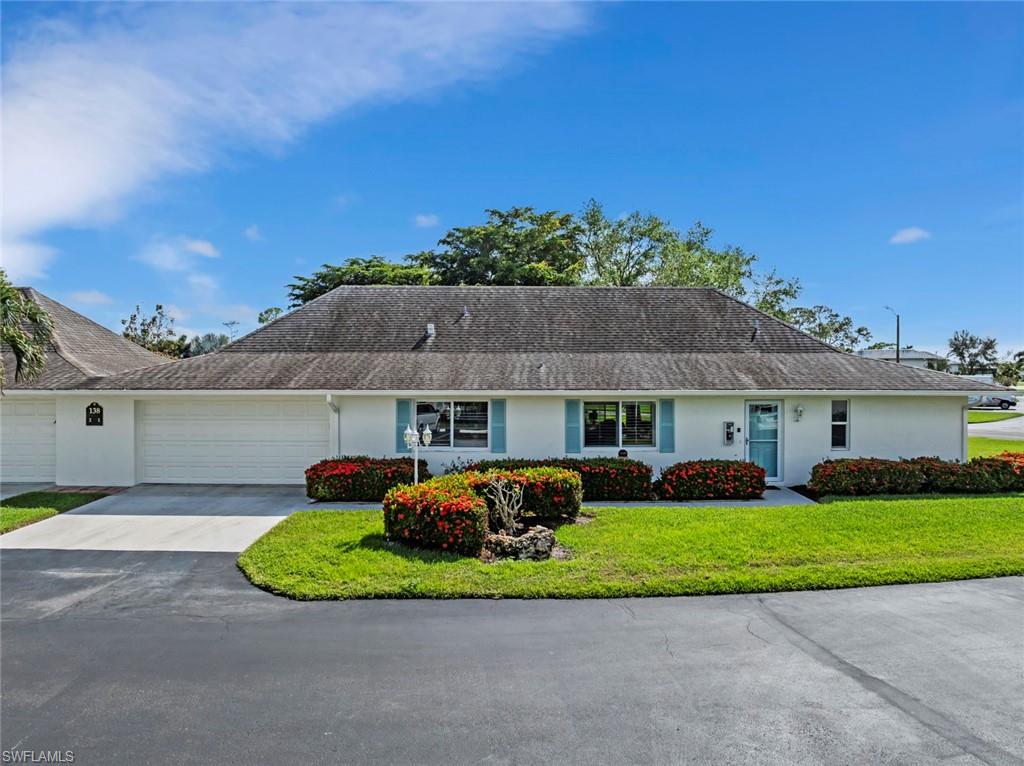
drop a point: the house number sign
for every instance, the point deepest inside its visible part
(94, 415)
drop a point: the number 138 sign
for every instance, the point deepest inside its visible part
(94, 415)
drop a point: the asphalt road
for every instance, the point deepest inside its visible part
(999, 429)
(153, 658)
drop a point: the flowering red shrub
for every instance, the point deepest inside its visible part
(604, 478)
(443, 514)
(1017, 458)
(868, 476)
(547, 492)
(711, 479)
(359, 478)
(874, 476)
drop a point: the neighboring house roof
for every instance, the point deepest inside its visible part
(79, 350)
(530, 339)
(890, 354)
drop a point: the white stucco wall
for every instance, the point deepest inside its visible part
(96, 455)
(880, 426)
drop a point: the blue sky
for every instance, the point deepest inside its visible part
(200, 155)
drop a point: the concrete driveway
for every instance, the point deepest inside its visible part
(160, 658)
(166, 517)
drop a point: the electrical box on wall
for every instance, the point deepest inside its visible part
(729, 434)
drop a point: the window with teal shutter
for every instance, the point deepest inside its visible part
(403, 419)
(572, 426)
(497, 425)
(667, 425)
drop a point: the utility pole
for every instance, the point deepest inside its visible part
(890, 308)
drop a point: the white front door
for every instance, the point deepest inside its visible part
(764, 437)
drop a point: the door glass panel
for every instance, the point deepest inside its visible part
(764, 422)
(766, 455)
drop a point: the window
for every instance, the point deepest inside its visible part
(453, 424)
(615, 424)
(840, 424)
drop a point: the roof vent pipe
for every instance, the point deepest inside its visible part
(465, 312)
(430, 330)
(757, 327)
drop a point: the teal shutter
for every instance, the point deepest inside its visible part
(403, 418)
(497, 425)
(667, 425)
(573, 442)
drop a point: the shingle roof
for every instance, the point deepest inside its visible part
(530, 339)
(79, 350)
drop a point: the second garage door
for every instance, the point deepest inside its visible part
(28, 439)
(231, 440)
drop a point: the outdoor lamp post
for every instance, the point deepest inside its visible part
(890, 308)
(412, 441)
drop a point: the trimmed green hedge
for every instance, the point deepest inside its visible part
(874, 476)
(359, 478)
(604, 478)
(547, 492)
(711, 480)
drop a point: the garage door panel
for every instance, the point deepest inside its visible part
(231, 441)
(28, 439)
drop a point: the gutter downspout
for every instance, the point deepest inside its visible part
(337, 418)
(964, 431)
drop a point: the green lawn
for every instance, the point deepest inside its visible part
(979, 446)
(660, 552)
(979, 416)
(30, 507)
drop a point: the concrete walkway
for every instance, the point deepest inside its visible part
(772, 497)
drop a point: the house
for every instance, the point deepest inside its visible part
(80, 350)
(665, 374)
(912, 357)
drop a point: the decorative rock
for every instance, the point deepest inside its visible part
(535, 544)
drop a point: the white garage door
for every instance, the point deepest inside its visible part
(231, 440)
(28, 439)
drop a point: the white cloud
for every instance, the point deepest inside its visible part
(112, 99)
(253, 233)
(426, 220)
(909, 235)
(342, 201)
(201, 247)
(203, 285)
(91, 297)
(175, 312)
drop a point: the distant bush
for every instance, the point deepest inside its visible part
(444, 514)
(359, 478)
(604, 478)
(711, 479)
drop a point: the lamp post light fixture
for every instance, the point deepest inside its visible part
(890, 308)
(412, 441)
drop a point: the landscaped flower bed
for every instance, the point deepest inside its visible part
(547, 492)
(711, 480)
(874, 476)
(443, 513)
(452, 513)
(359, 478)
(604, 478)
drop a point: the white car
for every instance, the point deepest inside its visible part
(1002, 401)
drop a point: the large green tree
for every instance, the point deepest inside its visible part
(356, 271)
(25, 331)
(974, 353)
(155, 332)
(207, 344)
(518, 246)
(828, 325)
(625, 252)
